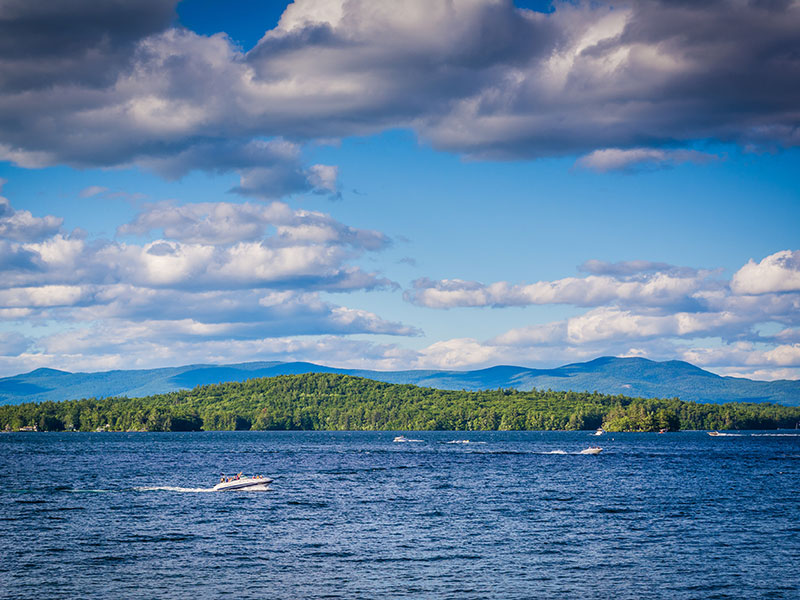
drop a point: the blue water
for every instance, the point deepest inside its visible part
(353, 515)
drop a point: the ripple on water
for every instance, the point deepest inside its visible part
(354, 516)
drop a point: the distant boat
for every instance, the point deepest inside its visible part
(600, 431)
(241, 483)
(591, 450)
(714, 433)
(402, 438)
(663, 430)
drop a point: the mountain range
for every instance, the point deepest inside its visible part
(638, 377)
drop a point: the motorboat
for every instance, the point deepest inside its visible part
(714, 433)
(600, 431)
(402, 438)
(241, 483)
(591, 450)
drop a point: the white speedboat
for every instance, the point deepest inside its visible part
(402, 438)
(242, 483)
(592, 450)
(600, 431)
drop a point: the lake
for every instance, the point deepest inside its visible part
(355, 515)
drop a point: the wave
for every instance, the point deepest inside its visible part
(463, 442)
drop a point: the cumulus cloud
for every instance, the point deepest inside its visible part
(746, 353)
(21, 225)
(216, 272)
(657, 289)
(636, 84)
(636, 308)
(779, 272)
(203, 246)
(219, 223)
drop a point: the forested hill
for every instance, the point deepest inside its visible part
(342, 402)
(609, 375)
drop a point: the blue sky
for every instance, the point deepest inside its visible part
(432, 186)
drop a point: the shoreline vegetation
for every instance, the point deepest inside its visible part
(325, 401)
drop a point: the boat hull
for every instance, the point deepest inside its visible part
(594, 450)
(242, 483)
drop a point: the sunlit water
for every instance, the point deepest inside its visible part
(356, 515)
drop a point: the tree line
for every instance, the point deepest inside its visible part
(327, 401)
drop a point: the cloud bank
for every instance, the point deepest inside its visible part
(627, 85)
(639, 308)
(215, 272)
(220, 282)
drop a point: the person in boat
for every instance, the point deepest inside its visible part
(222, 478)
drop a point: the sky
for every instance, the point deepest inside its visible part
(399, 185)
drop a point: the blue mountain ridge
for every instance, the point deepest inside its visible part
(636, 377)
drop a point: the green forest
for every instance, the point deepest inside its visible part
(342, 402)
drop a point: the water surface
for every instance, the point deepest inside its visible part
(355, 515)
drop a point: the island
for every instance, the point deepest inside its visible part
(328, 401)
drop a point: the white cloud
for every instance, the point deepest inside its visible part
(616, 159)
(548, 334)
(212, 246)
(221, 223)
(335, 351)
(759, 374)
(657, 289)
(220, 272)
(44, 296)
(458, 353)
(613, 324)
(745, 354)
(92, 190)
(211, 223)
(21, 225)
(779, 272)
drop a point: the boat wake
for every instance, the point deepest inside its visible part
(404, 440)
(172, 488)
(587, 451)
(463, 442)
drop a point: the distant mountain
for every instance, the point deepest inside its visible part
(628, 376)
